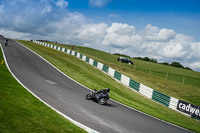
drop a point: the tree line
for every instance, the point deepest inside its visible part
(173, 64)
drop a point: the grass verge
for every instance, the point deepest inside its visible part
(87, 75)
(22, 112)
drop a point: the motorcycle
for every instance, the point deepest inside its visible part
(100, 98)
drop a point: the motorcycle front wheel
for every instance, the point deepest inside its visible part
(102, 101)
(88, 96)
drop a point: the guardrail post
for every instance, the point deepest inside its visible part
(183, 80)
(150, 71)
(167, 75)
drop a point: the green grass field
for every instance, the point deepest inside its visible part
(22, 112)
(86, 75)
(172, 86)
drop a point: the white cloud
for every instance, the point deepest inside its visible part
(92, 33)
(195, 66)
(195, 48)
(121, 35)
(32, 16)
(46, 9)
(62, 3)
(99, 3)
(176, 48)
(121, 29)
(153, 33)
(113, 15)
(121, 51)
(14, 34)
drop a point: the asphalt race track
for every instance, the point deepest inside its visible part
(68, 97)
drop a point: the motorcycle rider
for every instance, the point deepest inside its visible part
(105, 91)
(101, 96)
(6, 42)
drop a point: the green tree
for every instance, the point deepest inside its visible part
(165, 63)
(176, 64)
(187, 68)
(146, 59)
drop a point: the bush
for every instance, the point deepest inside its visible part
(165, 63)
(176, 64)
(140, 58)
(146, 59)
(188, 68)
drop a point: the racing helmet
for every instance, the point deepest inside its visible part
(107, 89)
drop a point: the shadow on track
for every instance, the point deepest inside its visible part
(110, 105)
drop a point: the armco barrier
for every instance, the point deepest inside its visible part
(133, 84)
(99, 65)
(171, 102)
(91, 62)
(125, 80)
(87, 59)
(146, 91)
(161, 98)
(105, 68)
(117, 75)
(111, 72)
(81, 56)
(95, 63)
(75, 54)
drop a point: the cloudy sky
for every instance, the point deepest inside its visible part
(168, 30)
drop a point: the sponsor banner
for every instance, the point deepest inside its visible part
(190, 109)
